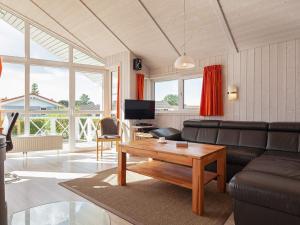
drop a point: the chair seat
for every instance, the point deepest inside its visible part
(111, 136)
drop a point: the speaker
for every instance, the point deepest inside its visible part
(137, 64)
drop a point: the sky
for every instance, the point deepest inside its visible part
(52, 82)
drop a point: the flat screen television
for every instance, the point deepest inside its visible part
(139, 109)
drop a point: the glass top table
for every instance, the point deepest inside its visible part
(62, 213)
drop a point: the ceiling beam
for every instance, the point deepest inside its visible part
(68, 31)
(159, 27)
(105, 25)
(224, 23)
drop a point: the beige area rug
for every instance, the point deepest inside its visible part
(146, 201)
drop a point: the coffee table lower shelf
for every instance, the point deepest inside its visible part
(169, 172)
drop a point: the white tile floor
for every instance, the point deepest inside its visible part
(41, 172)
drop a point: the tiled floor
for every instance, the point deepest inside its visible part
(41, 173)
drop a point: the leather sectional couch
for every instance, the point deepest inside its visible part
(263, 167)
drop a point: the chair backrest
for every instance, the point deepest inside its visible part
(9, 123)
(109, 126)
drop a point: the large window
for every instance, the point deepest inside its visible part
(192, 92)
(44, 87)
(179, 94)
(12, 87)
(11, 35)
(49, 88)
(89, 91)
(166, 95)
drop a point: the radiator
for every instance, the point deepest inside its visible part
(37, 143)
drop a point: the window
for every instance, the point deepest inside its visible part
(49, 88)
(11, 35)
(114, 90)
(166, 95)
(44, 46)
(192, 89)
(52, 98)
(82, 58)
(89, 91)
(12, 87)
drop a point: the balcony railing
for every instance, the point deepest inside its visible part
(85, 127)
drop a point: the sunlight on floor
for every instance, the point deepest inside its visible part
(56, 175)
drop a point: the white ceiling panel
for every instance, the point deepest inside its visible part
(252, 22)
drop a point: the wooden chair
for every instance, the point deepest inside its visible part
(108, 130)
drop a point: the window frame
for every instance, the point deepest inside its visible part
(180, 78)
(72, 67)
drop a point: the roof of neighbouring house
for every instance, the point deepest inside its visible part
(42, 98)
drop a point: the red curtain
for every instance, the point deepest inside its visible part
(212, 96)
(118, 94)
(1, 62)
(140, 86)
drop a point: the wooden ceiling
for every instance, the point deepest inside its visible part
(153, 29)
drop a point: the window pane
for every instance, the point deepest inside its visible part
(192, 92)
(12, 76)
(44, 46)
(11, 35)
(89, 91)
(50, 124)
(82, 58)
(114, 90)
(166, 95)
(49, 88)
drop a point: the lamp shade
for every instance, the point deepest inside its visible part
(184, 62)
(232, 92)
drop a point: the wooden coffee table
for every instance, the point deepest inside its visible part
(180, 166)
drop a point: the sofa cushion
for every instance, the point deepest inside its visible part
(276, 165)
(201, 123)
(267, 190)
(207, 135)
(228, 137)
(253, 138)
(246, 134)
(168, 133)
(189, 133)
(244, 125)
(294, 156)
(284, 136)
(242, 155)
(202, 131)
(283, 141)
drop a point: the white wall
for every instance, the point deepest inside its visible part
(268, 79)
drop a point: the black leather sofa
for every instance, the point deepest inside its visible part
(244, 140)
(267, 190)
(263, 167)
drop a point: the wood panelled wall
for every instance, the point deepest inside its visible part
(268, 81)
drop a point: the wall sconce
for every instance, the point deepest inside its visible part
(232, 93)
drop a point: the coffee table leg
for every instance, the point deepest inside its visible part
(221, 171)
(198, 187)
(121, 167)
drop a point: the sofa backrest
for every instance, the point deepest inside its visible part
(201, 131)
(283, 136)
(243, 134)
